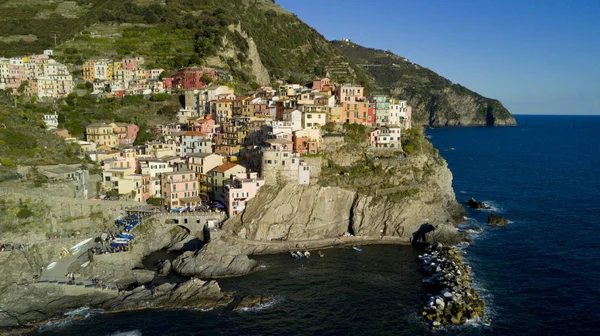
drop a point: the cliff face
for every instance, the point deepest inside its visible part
(404, 194)
(435, 100)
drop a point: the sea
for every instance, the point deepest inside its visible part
(540, 275)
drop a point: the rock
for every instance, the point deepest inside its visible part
(496, 220)
(252, 301)
(164, 268)
(216, 259)
(474, 204)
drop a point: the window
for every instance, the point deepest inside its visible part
(309, 116)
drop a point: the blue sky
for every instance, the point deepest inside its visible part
(536, 57)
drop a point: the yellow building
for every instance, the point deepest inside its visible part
(88, 70)
(102, 135)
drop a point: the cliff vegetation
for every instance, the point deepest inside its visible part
(435, 100)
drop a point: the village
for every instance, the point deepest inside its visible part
(223, 147)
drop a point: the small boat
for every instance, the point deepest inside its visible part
(451, 148)
(356, 248)
(300, 254)
(294, 255)
(307, 254)
(321, 254)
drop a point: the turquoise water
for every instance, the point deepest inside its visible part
(540, 275)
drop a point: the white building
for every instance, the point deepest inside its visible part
(294, 119)
(195, 142)
(51, 120)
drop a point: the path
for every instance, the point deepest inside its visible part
(57, 273)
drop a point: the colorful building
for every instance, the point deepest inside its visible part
(241, 189)
(180, 188)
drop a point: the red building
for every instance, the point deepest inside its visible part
(191, 78)
(371, 114)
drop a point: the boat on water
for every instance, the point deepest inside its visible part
(321, 254)
(451, 148)
(306, 254)
(356, 248)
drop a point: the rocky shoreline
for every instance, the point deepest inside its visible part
(452, 298)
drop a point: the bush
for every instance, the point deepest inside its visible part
(155, 97)
(156, 201)
(24, 212)
(402, 194)
(355, 133)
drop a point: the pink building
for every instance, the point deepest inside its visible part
(260, 109)
(373, 136)
(129, 64)
(242, 188)
(180, 188)
(320, 83)
(126, 133)
(204, 125)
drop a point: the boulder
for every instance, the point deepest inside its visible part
(474, 204)
(216, 259)
(164, 268)
(252, 301)
(496, 220)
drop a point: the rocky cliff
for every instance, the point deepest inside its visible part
(386, 192)
(435, 100)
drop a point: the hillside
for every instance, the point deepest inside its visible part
(436, 101)
(175, 33)
(255, 41)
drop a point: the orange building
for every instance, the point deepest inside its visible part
(356, 112)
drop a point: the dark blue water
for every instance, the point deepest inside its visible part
(540, 275)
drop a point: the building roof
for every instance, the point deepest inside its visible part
(201, 155)
(181, 172)
(98, 125)
(62, 170)
(224, 101)
(225, 167)
(192, 133)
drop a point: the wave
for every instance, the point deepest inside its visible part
(492, 206)
(70, 316)
(490, 313)
(127, 333)
(274, 301)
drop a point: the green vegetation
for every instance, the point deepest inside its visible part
(180, 33)
(402, 194)
(355, 134)
(25, 140)
(156, 201)
(427, 92)
(24, 212)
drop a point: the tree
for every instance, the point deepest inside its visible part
(89, 86)
(156, 201)
(206, 79)
(195, 60)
